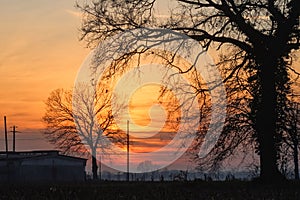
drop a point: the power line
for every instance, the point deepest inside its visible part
(20, 139)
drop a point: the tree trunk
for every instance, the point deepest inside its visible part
(266, 124)
(94, 164)
(296, 162)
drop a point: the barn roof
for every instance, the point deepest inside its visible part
(36, 155)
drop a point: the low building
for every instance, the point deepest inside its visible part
(40, 166)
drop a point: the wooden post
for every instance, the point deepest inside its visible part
(127, 150)
(14, 138)
(5, 133)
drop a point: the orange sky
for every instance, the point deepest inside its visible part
(40, 52)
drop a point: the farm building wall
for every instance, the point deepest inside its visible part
(43, 169)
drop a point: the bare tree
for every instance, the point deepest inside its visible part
(265, 32)
(146, 166)
(292, 135)
(82, 130)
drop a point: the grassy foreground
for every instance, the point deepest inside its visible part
(153, 191)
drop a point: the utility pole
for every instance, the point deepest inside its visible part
(14, 137)
(5, 133)
(127, 150)
(296, 145)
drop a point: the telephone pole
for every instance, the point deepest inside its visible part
(127, 150)
(5, 134)
(14, 137)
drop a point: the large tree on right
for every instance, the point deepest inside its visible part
(266, 31)
(261, 33)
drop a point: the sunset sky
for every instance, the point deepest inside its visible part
(40, 52)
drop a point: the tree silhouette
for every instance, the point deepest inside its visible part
(146, 166)
(83, 130)
(291, 136)
(265, 32)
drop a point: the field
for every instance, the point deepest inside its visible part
(152, 191)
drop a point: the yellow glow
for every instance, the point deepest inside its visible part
(142, 101)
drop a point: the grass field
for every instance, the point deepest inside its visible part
(153, 191)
